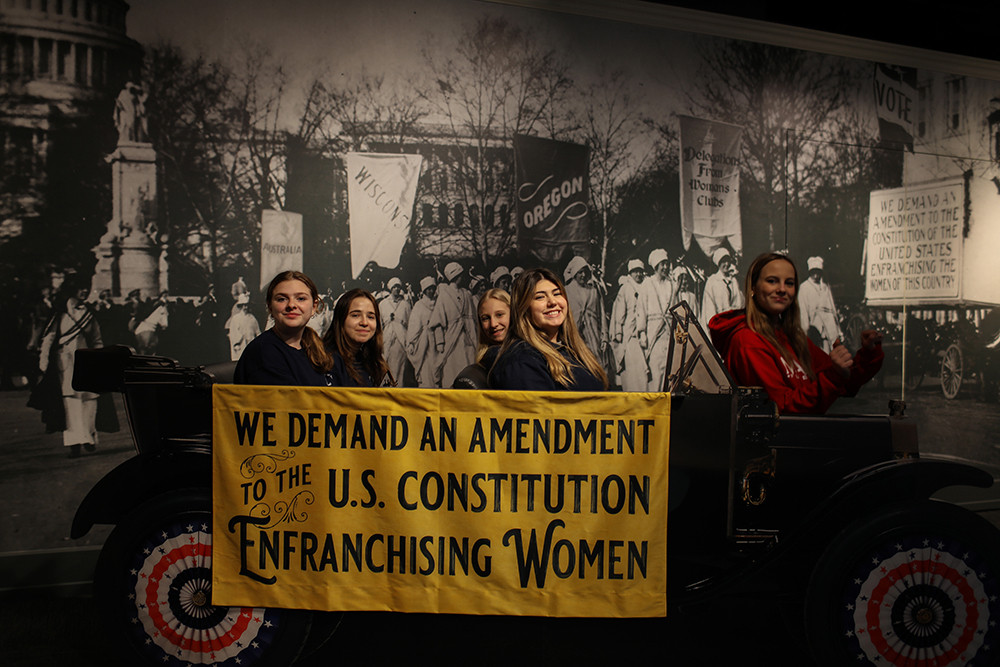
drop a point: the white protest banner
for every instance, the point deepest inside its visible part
(381, 189)
(914, 248)
(710, 183)
(280, 244)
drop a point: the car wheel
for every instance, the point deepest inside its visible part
(915, 585)
(951, 371)
(153, 587)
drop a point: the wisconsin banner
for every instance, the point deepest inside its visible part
(553, 190)
(710, 183)
(380, 193)
(280, 244)
(450, 501)
(895, 103)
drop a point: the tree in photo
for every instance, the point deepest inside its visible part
(499, 82)
(784, 99)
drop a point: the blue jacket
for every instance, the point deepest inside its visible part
(523, 367)
(269, 360)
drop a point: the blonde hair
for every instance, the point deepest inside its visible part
(789, 321)
(522, 328)
(497, 294)
(316, 351)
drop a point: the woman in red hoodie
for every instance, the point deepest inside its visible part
(765, 346)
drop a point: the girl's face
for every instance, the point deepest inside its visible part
(361, 323)
(547, 309)
(494, 315)
(775, 288)
(291, 305)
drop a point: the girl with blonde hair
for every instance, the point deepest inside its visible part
(493, 312)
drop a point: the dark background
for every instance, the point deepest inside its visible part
(963, 28)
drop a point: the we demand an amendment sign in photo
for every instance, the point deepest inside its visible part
(448, 501)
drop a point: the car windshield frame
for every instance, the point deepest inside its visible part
(693, 364)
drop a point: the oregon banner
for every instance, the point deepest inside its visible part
(553, 188)
(449, 501)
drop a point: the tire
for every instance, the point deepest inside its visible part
(951, 371)
(914, 585)
(153, 590)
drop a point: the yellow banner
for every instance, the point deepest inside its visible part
(451, 501)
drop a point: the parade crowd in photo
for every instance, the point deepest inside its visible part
(515, 329)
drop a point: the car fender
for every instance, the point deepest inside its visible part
(903, 480)
(786, 565)
(138, 479)
(907, 480)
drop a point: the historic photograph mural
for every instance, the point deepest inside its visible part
(157, 174)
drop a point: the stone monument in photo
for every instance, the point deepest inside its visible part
(129, 252)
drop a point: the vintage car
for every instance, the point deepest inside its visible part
(831, 515)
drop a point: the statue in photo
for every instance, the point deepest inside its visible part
(130, 114)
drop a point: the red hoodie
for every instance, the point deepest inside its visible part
(754, 362)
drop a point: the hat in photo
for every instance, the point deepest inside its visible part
(498, 273)
(516, 271)
(394, 281)
(721, 254)
(634, 264)
(657, 256)
(426, 282)
(815, 263)
(574, 267)
(452, 269)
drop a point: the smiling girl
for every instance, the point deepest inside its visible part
(289, 353)
(543, 349)
(765, 346)
(354, 340)
(494, 320)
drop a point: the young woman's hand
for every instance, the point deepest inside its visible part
(841, 358)
(870, 338)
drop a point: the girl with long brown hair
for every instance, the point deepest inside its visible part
(543, 349)
(765, 346)
(290, 352)
(354, 340)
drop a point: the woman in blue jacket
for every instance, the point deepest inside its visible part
(543, 350)
(354, 340)
(290, 352)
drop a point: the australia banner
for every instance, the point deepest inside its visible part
(381, 189)
(553, 191)
(710, 183)
(440, 501)
(280, 244)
